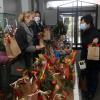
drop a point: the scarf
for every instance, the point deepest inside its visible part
(28, 31)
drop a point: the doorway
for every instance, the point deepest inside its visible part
(71, 15)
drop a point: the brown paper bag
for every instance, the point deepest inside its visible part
(11, 46)
(93, 53)
(47, 35)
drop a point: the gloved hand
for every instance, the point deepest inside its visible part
(95, 40)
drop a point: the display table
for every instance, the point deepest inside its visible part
(76, 88)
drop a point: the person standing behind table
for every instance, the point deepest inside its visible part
(89, 34)
(47, 35)
(59, 30)
(24, 37)
(37, 26)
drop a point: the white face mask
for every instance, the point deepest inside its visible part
(37, 19)
(84, 26)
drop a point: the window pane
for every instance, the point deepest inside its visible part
(67, 3)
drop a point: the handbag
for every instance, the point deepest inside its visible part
(93, 52)
(3, 58)
(11, 46)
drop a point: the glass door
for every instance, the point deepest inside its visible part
(71, 19)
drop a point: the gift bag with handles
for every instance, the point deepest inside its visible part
(93, 52)
(11, 46)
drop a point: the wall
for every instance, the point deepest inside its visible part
(41, 8)
(1, 6)
(26, 5)
(49, 16)
(99, 17)
(10, 6)
(35, 5)
(19, 8)
(1, 11)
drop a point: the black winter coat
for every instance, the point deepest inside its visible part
(87, 38)
(36, 29)
(21, 37)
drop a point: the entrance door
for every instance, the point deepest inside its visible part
(72, 23)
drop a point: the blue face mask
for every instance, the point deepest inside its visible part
(84, 26)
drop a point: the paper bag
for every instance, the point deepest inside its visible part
(46, 35)
(11, 46)
(93, 53)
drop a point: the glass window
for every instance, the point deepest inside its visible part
(55, 4)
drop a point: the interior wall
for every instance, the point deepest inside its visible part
(34, 5)
(10, 6)
(1, 6)
(41, 8)
(26, 5)
(1, 11)
(50, 16)
(99, 17)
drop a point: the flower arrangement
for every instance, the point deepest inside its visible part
(51, 77)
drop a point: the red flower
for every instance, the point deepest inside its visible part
(54, 82)
(17, 93)
(67, 51)
(8, 40)
(40, 97)
(43, 77)
(72, 60)
(46, 56)
(67, 72)
(35, 72)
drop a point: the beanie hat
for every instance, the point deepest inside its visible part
(88, 18)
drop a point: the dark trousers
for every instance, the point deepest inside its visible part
(92, 76)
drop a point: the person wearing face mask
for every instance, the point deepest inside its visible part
(37, 19)
(24, 37)
(89, 34)
(37, 28)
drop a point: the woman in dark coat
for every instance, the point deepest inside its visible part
(89, 34)
(24, 37)
(37, 28)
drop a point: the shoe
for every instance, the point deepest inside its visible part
(84, 95)
(89, 96)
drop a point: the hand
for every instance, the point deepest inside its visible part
(95, 40)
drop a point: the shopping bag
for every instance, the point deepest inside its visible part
(47, 35)
(11, 46)
(93, 52)
(3, 58)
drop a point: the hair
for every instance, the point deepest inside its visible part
(38, 12)
(23, 15)
(32, 12)
(88, 19)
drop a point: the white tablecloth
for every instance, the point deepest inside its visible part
(76, 91)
